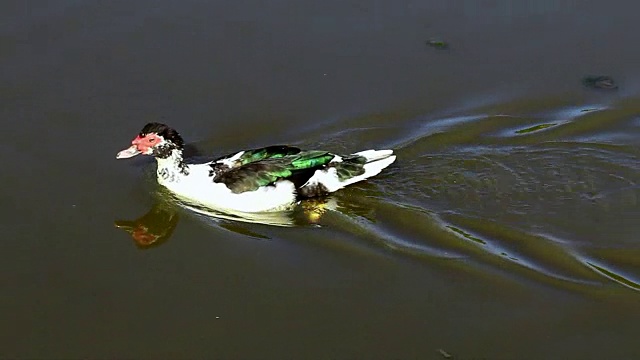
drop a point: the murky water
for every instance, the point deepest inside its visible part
(506, 229)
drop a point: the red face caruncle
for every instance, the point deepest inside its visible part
(142, 144)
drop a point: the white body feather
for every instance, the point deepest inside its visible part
(378, 160)
(197, 186)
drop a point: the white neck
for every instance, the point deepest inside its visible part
(172, 168)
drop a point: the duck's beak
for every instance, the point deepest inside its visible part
(129, 152)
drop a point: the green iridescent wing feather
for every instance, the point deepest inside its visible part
(269, 152)
(271, 167)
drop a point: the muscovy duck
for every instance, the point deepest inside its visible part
(273, 178)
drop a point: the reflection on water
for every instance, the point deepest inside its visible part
(153, 228)
(157, 225)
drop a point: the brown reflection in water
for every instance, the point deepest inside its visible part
(153, 228)
(157, 225)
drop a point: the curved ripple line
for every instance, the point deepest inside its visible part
(504, 253)
(397, 243)
(432, 127)
(613, 275)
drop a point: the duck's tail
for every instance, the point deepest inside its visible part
(376, 161)
(347, 170)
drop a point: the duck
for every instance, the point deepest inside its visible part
(267, 179)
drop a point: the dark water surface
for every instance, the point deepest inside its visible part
(507, 229)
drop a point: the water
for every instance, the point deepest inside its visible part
(506, 229)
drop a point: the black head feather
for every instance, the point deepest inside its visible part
(169, 134)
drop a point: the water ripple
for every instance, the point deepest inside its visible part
(518, 191)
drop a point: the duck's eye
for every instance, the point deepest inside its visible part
(152, 140)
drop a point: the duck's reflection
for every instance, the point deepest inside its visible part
(153, 228)
(157, 225)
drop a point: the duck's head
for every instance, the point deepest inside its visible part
(154, 139)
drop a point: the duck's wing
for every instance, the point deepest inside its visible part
(271, 167)
(245, 157)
